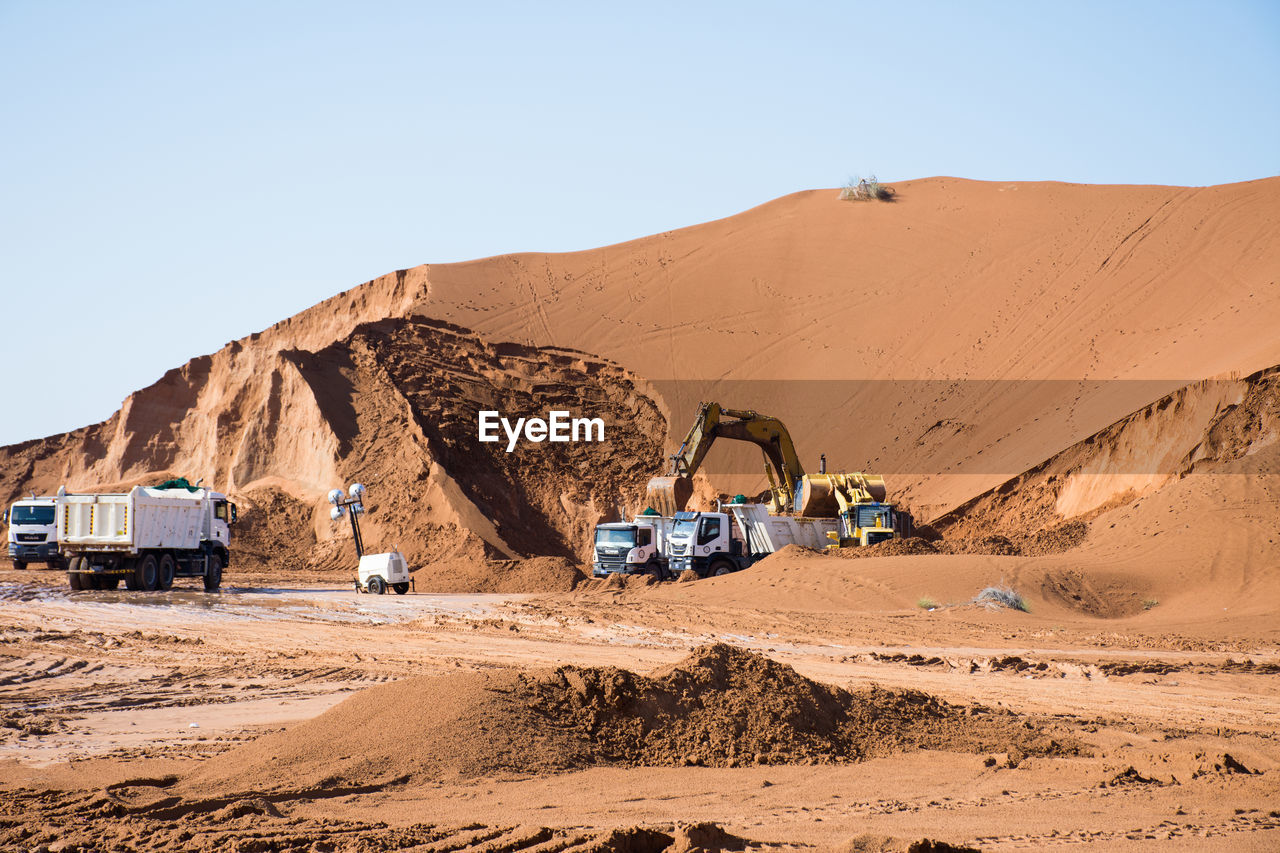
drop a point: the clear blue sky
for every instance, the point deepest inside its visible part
(177, 175)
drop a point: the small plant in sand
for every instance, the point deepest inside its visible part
(994, 597)
(866, 189)
(1148, 603)
(927, 603)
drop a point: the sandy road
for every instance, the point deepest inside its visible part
(95, 673)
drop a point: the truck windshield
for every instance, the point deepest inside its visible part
(31, 515)
(683, 527)
(616, 536)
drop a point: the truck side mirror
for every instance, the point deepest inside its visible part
(233, 513)
(6, 516)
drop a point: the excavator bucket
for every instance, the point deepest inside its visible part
(668, 495)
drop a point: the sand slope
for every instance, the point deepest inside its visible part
(1173, 514)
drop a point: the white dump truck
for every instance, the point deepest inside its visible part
(33, 537)
(717, 543)
(145, 537)
(634, 547)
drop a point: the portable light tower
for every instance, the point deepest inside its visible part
(377, 572)
(352, 506)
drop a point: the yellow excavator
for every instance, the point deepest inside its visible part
(669, 494)
(857, 499)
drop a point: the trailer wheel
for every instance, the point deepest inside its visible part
(400, 588)
(20, 565)
(213, 578)
(147, 574)
(721, 567)
(167, 570)
(377, 585)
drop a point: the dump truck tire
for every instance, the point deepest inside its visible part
(213, 577)
(19, 566)
(167, 569)
(74, 579)
(719, 568)
(148, 573)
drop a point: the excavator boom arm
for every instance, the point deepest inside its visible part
(713, 422)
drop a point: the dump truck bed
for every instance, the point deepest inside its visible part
(766, 534)
(138, 520)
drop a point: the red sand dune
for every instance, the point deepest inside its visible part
(954, 282)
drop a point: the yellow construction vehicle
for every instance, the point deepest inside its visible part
(856, 499)
(669, 494)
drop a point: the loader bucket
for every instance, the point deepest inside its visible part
(668, 495)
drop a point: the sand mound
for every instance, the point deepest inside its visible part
(911, 546)
(1202, 428)
(617, 583)
(533, 574)
(721, 707)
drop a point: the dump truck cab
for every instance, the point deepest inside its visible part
(635, 547)
(33, 532)
(705, 542)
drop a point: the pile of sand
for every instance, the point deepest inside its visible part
(911, 546)
(721, 707)
(533, 574)
(617, 582)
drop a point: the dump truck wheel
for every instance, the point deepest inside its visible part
(377, 585)
(721, 568)
(74, 577)
(400, 588)
(167, 569)
(147, 573)
(213, 579)
(19, 566)
(654, 571)
(131, 579)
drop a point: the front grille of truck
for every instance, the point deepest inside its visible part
(873, 538)
(29, 537)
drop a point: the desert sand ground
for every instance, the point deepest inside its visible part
(112, 705)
